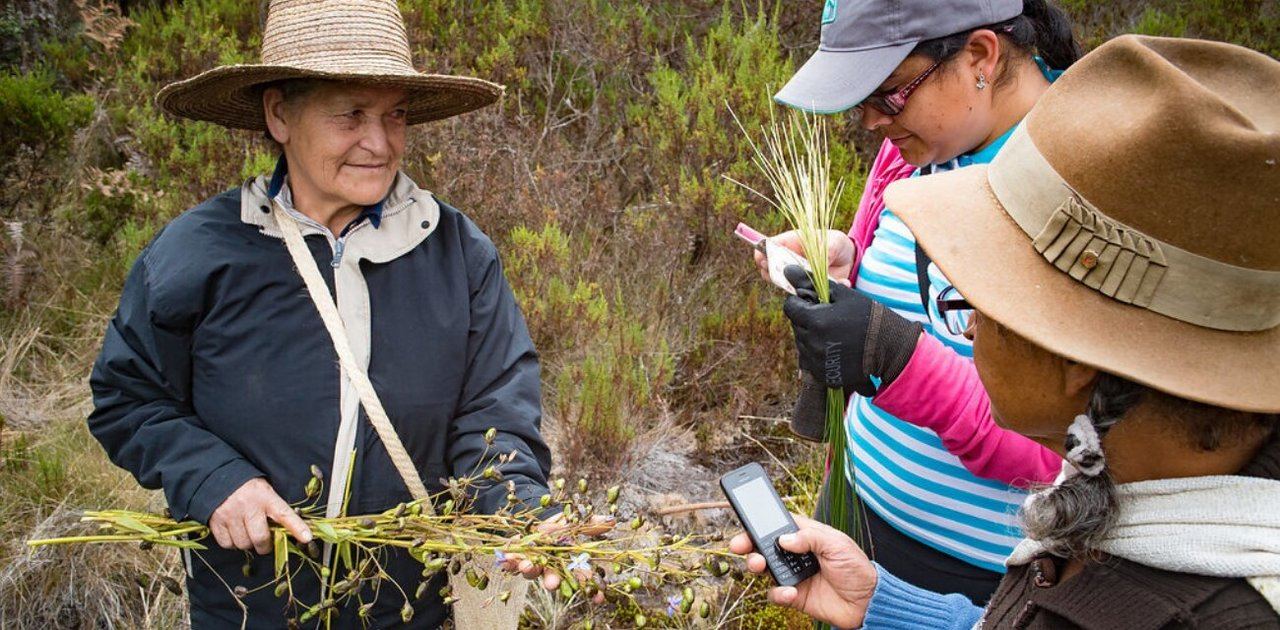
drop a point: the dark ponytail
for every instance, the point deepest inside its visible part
(1042, 29)
(1050, 36)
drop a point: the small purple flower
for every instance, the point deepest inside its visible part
(580, 561)
(673, 604)
(499, 558)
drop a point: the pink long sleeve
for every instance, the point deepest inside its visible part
(887, 168)
(940, 390)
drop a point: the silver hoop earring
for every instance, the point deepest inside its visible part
(982, 81)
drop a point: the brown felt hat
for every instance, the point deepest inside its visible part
(1132, 222)
(362, 41)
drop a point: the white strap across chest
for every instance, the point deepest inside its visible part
(319, 292)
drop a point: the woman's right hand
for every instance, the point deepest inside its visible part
(846, 579)
(840, 254)
(241, 522)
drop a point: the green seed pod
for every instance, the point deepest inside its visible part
(490, 435)
(246, 569)
(435, 565)
(560, 483)
(492, 473)
(406, 613)
(641, 620)
(704, 610)
(313, 487)
(447, 508)
(566, 591)
(582, 486)
(504, 596)
(613, 509)
(686, 600)
(612, 494)
(635, 582)
(473, 578)
(325, 573)
(544, 500)
(307, 615)
(341, 587)
(455, 567)
(281, 589)
(445, 591)
(483, 583)
(587, 624)
(637, 522)
(328, 603)
(365, 610)
(316, 473)
(567, 511)
(422, 588)
(448, 601)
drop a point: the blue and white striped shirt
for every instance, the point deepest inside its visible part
(901, 471)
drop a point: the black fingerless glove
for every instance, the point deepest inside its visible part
(846, 342)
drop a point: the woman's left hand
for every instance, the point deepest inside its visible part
(550, 577)
(846, 579)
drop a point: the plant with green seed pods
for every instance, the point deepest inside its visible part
(590, 554)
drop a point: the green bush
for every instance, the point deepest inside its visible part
(38, 115)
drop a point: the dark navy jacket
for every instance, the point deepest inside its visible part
(217, 369)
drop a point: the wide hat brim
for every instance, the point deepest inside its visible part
(229, 95)
(959, 222)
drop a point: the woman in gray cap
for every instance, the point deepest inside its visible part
(945, 83)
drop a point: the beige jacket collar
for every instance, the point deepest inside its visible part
(410, 214)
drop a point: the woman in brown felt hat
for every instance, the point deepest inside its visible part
(217, 379)
(1122, 255)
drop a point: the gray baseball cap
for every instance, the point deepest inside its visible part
(863, 41)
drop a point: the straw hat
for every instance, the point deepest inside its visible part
(362, 41)
(1132, 223)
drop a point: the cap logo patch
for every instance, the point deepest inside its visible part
(829, 12)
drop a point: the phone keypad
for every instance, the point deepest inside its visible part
(788, 568)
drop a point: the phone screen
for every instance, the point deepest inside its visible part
(759, 506)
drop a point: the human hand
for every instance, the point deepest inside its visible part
(241, 521)
(840, 254)
(514, 562)
(845, 342)
(841, 590)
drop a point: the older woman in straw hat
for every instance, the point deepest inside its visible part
(1122, 257)
(217, 379)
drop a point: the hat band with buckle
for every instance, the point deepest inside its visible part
(1121, 262)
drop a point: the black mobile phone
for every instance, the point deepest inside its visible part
(765, 518)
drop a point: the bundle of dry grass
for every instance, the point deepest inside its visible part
(793, 156)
